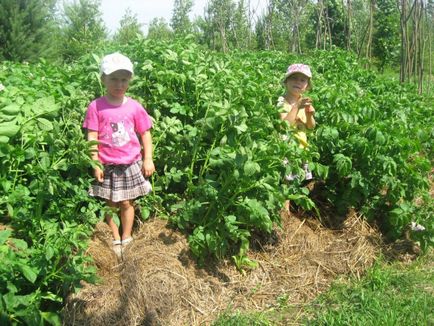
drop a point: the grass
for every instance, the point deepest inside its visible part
(389, 294)
(240, 318)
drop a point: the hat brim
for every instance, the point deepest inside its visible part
(110, 71)
(309, 82)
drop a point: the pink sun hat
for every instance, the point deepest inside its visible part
(297, 68)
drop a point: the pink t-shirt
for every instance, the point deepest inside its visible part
(117, 126)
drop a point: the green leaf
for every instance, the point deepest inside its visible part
(10, 209)
(11, 109)
(52, 318)
(379, 138)
(9, 129)
(45, 163)
(145, 212)
(49, 252)
(4, 139)
(241, 128)
(343, 164)
(4, 235)
(29, 273)
(45, 106)
(52, 297)
(45, 124)
(250, 168)
(20, 244)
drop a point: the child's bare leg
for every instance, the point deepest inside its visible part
(127, 218)
(111, 223)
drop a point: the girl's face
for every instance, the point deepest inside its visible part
(296, 84)
(117, 84)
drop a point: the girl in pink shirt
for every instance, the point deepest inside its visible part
(122, 128)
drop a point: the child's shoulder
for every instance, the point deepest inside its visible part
(98, 100)
(96, 103)
(133, 101)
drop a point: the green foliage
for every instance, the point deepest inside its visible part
(180, 22)
(159, 30)
(374, 135)
(27, 30)
(43, 197)
(218, 20)
(129, 30)
(387, 34)
(83, 28)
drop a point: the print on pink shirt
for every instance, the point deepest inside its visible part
(120, 136)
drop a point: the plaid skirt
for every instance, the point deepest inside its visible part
(121, 182)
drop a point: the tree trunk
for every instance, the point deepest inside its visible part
(420, 47)
(370, 30)
(318, 26)
(429, 37)
(328, 28)
(269, 43)
(349, 23)
(403, 51)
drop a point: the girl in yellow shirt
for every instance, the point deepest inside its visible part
(298, 111)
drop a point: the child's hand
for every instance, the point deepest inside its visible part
(309, 110)
(306, 103)
(148, 167)
(99, 174)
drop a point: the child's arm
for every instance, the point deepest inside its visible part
(98, 173)
(148, 163)
(309, 111)
(310, 120)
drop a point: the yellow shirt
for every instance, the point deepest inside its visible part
(300, 124)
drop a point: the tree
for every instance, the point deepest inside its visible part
(428, 44)
(218, 20)
(413, 14)
(159, 29)
(264, 27)
(290, 14)
(359, 19)
(27, 30)
(386, 33)
(241, 33)
(83, 29)
(180, 23)
(285, 26)
(129, 29)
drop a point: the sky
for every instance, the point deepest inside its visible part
(146, 10)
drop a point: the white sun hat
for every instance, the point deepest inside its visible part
(114, 62)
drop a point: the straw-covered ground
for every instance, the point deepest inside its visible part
(158, 283)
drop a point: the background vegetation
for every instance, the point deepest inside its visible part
(387, 33)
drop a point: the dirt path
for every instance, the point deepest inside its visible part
(159, 284)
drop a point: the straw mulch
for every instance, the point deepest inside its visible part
(159, 284)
